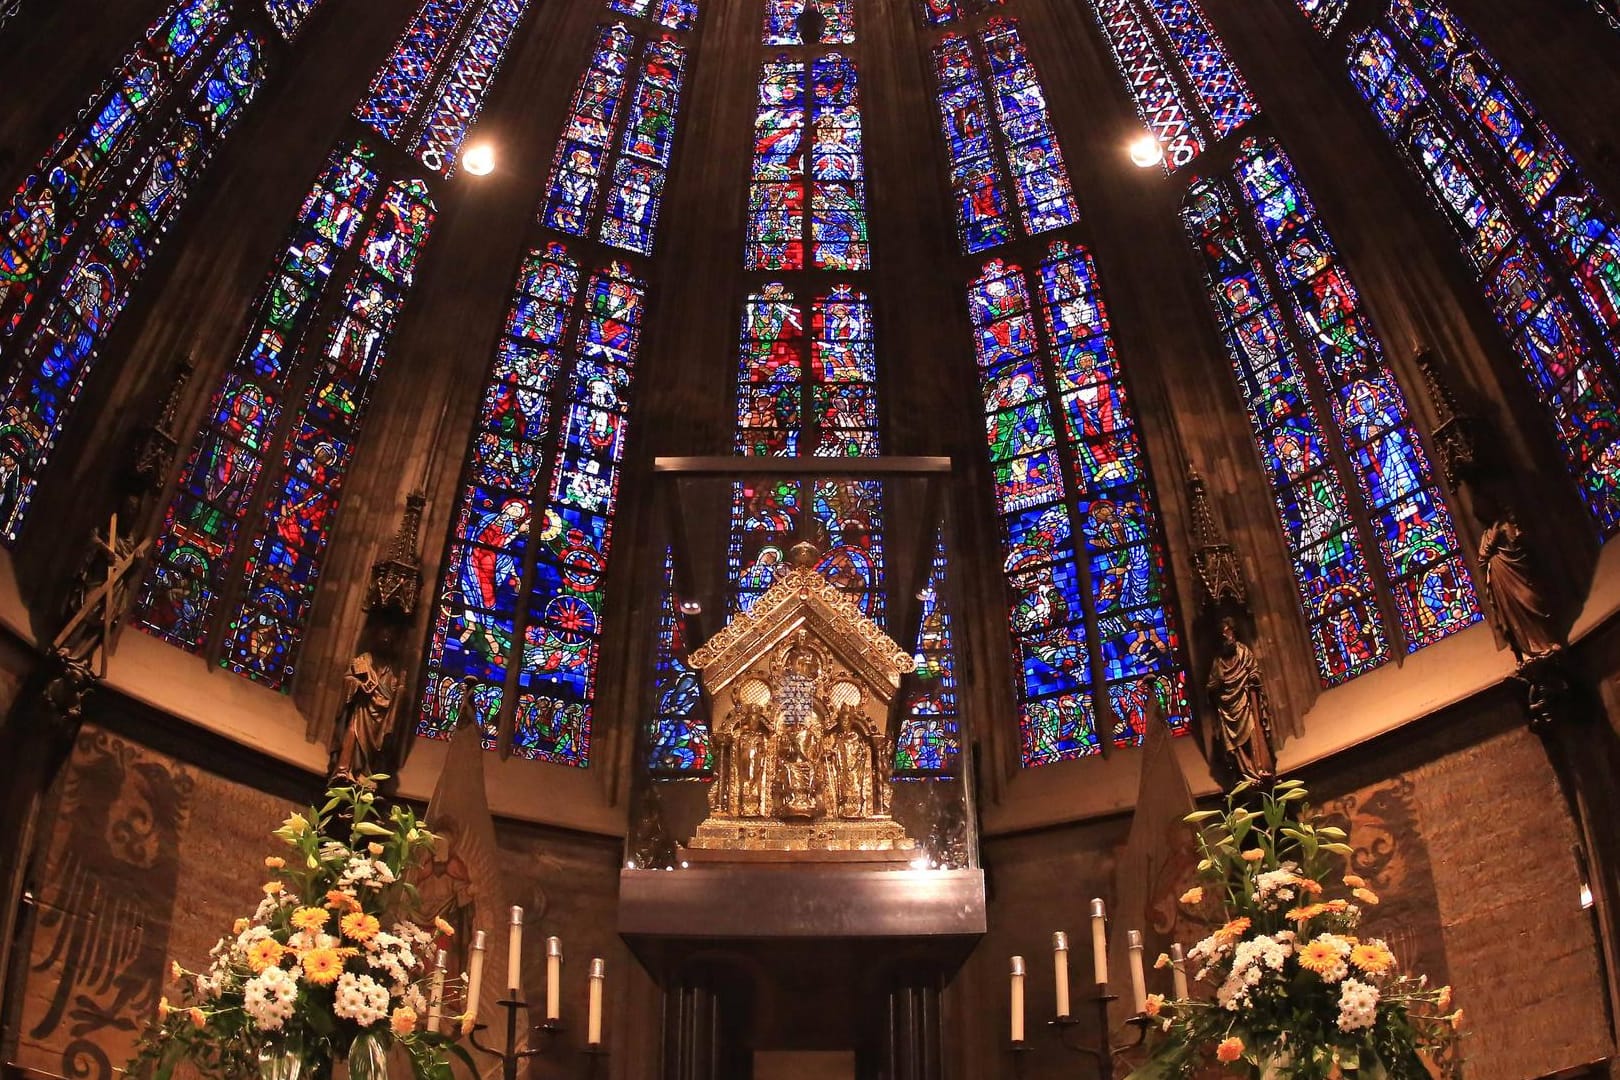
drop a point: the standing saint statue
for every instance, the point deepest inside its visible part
(1239, 696)
(752, 764)
(850, 750)
(1518, 606)
(371, 693)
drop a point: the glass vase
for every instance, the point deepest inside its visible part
(368, 1057)
(282, 1059)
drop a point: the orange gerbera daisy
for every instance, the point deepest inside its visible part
(1233, 930)
(1320, 957)
(1194, 895)
(274, 862)
(195, 1015)
(1230, 1049)
(339, 900)
(310, 918)
(1373, 959)
(1310, 885)
(1337, 906)
(1366, 896)
(322, 966)
(1355, 881)
(443, 927)
(273, 888)
(265, 953)
(359, 926)
(1306, 913)
(1154, 1005)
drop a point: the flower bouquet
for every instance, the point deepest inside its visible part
(328, 966)
(1298, 994)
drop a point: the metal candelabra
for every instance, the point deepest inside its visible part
(1104, 1051)
(511, 1055)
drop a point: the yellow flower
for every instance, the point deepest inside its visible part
(175, 970)
(375, 848)
(342, 900)
(1230, 1050)
(1253, 855)
(1194, 895)
(359, 926)
(164, 1008)
(265, 953)
(403, 1021)
(443, 927)
(274, 888)
(1154, 1005)
(296, 824)
(1443, 1002)
(274, 862)
(1355, 881)
(196, 1017)
(1162, 962)
(238, 926)
(1456, 1019)
(1319, 956)
(322, 966)
(310, 918)
(1373, 959)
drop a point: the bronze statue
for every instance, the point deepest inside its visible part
(1238, 693)
(849, 749)
(369, 716)
(753, 769)
(1517, 603)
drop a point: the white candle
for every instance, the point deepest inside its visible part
(1133, 941)
(475, 974)
(1018, 999)
(593, 1026)
(514, 955)
(553, 978)
(1099, 943)
(1060, 972)
(1178, 970)
(436, 993)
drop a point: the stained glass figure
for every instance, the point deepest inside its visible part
(430, 89)
(1027, 149)
(1324, 14)
(808, 108)
(1067, 467)
(645, 125)
(561, 378)
(285, 556)
(40, 390)
(1420, 551)
(289, 15)
(1547, 256)
(40, 218)
(461, 95)
(677, 15)
(1328, 549)
(930, 737)
(1187, 90)
(782, 22)
(944, 12)
(678, 738)
(193, 552)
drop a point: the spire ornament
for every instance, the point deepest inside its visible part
(396, 581)
(1219, 571)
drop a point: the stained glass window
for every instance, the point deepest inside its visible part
(1067, 467)
(41, 389)
(929, 739)
(193, 552)
(42, 215)
(644, 119)
(1187, 90)
(782, 22)
(1412, 525)
(825, 112)
(1546, 255)
(400, 105)
(1324, 14)
(561, 379)
(289, 15)
(285, 556)
(943, 12)
(679, 15)
(679, 736)
(1327, 547)
(808, 387)
(1022, 138)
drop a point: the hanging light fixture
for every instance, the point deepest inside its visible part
(1145, 151)
(479, 159)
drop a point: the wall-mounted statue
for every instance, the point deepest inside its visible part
(1238, 693)
(370, 711)
(1516, 600)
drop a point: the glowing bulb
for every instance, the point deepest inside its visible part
(1586, 897)
(1145, 152)
(691, 607)
(479, 160)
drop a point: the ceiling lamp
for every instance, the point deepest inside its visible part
(479, 159)
(1145, 151)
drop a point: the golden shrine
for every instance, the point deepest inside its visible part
(802, 752)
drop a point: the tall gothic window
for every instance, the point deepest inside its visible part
(1543, 242)
(994, 65)
(1281, 293)
(1324, 14)
(46, 373)
(239, 557)
(637, 102)
(1187, 90)
(518, 608)
(930, 734)
(678, 743)
(1092, 629)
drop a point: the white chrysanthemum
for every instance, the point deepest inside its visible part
(1358, 1005)
(268, 998)
(1233, 994)
(359, 998)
